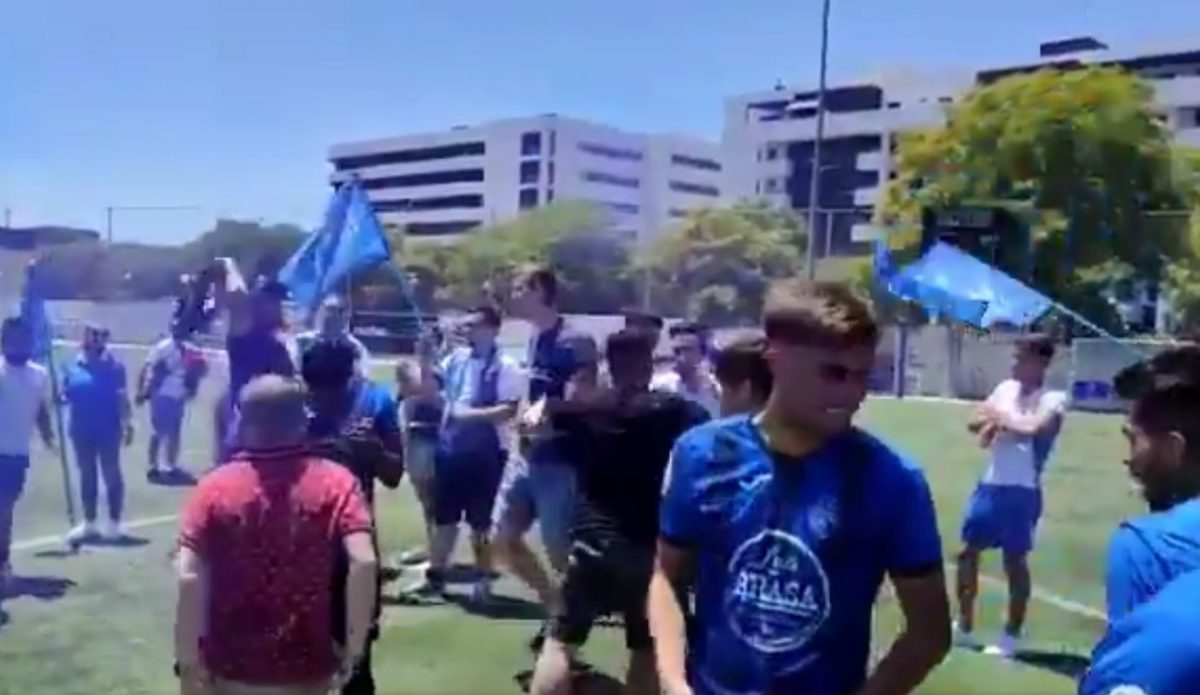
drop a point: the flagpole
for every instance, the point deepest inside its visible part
(62, 440)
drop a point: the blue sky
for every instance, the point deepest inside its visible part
(230, 105)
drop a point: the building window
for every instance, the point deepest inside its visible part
(423, 154)
(553, 143)
(678, 213)
(528, 198)
(772, 153)
(610, 152)
(627, 208)
(530, 171)
(549, 194)
(695, 188)
(432, 178)
(427, 229)
(531, 144)
(550, 173)
(1189, 117)
(772, 185)
(695, 162)
(446, 202)
(610, 179)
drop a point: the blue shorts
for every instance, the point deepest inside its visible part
(464, 489)
(544, 492)
(1002, 516)
(13, 470)
(166, 415)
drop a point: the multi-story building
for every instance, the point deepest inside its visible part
(767, 144)
(440, 186)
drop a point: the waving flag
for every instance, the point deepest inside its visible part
(33, 312)
(350, 240)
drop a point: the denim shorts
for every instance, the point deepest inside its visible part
(1002, 516)
(419, 459)
(13, 470)
(544, 492)
(166, 415)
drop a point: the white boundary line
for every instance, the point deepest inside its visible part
(51, 541)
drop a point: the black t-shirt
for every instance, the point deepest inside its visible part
(621, 451)
(254, 354)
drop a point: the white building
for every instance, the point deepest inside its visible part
(441, 185)
(767, 144)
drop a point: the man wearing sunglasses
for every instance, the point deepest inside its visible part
(791, 519)
(690, 376)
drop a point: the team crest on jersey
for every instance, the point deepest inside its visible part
(778, 594)
(823, 517)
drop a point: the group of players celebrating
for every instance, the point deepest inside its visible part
(726, 509)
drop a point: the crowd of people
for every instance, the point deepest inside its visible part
(725, 508)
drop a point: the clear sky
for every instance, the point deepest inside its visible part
(230, 105)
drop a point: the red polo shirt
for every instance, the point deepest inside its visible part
(269, 526)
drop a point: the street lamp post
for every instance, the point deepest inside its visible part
(814, 190)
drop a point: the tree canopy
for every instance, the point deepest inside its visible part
(1085, 157)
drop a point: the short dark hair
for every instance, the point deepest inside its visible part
(1175, 408)
(328, 364)
(1180, 365)
(1038, 344)
(686, 328)
(626, 347)
(489, 314)
(543, 279)
(635, 318)
(819, 314)
(15, 324)
(742, 360)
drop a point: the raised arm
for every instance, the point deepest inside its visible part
(231, 295)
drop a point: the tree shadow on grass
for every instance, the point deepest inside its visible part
(41, 588)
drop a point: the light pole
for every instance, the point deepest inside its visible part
(814, 189)
(108, 214)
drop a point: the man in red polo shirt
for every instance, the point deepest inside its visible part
(258, 546)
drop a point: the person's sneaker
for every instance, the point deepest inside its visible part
(964, 638)
(414, 556)
(1007, 646)
(154, 475)
(111, 531)
(425, 588)
(83, 533)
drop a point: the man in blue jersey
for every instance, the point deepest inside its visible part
(792, 518)
(1154, 649)
(1148, 552)
(1019, 424)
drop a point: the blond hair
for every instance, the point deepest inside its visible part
(818, 314)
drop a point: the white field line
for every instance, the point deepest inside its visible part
(51, 541)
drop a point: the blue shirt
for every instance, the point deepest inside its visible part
(553, 359)
(1147, 553)
(1155, 649)
(371, 402)
(791, 553)
(95, 390)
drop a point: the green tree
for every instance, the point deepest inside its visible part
(716, 264)
(1085, 155)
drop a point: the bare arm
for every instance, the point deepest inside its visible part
(231, 295)
(1036, 423)
(665, 613)
(496, 414)
(923, 642)
(192, 579)
(360, 592)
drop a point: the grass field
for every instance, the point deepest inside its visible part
(100, 621)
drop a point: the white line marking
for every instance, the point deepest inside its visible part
(51, 541)
(1051, 598)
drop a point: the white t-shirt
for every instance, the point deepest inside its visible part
(22, 393)
(1013, 459)
(511, 383)
(169, 353)
(707, 395)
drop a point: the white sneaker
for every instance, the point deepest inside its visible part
(1007, 647)
(111, 531)
(82, 533)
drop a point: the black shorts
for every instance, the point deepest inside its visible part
(465, 488)
(602, 581)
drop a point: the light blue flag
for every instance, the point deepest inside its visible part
(350, 241)
(33, 312)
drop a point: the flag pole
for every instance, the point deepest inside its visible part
(56, 404)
